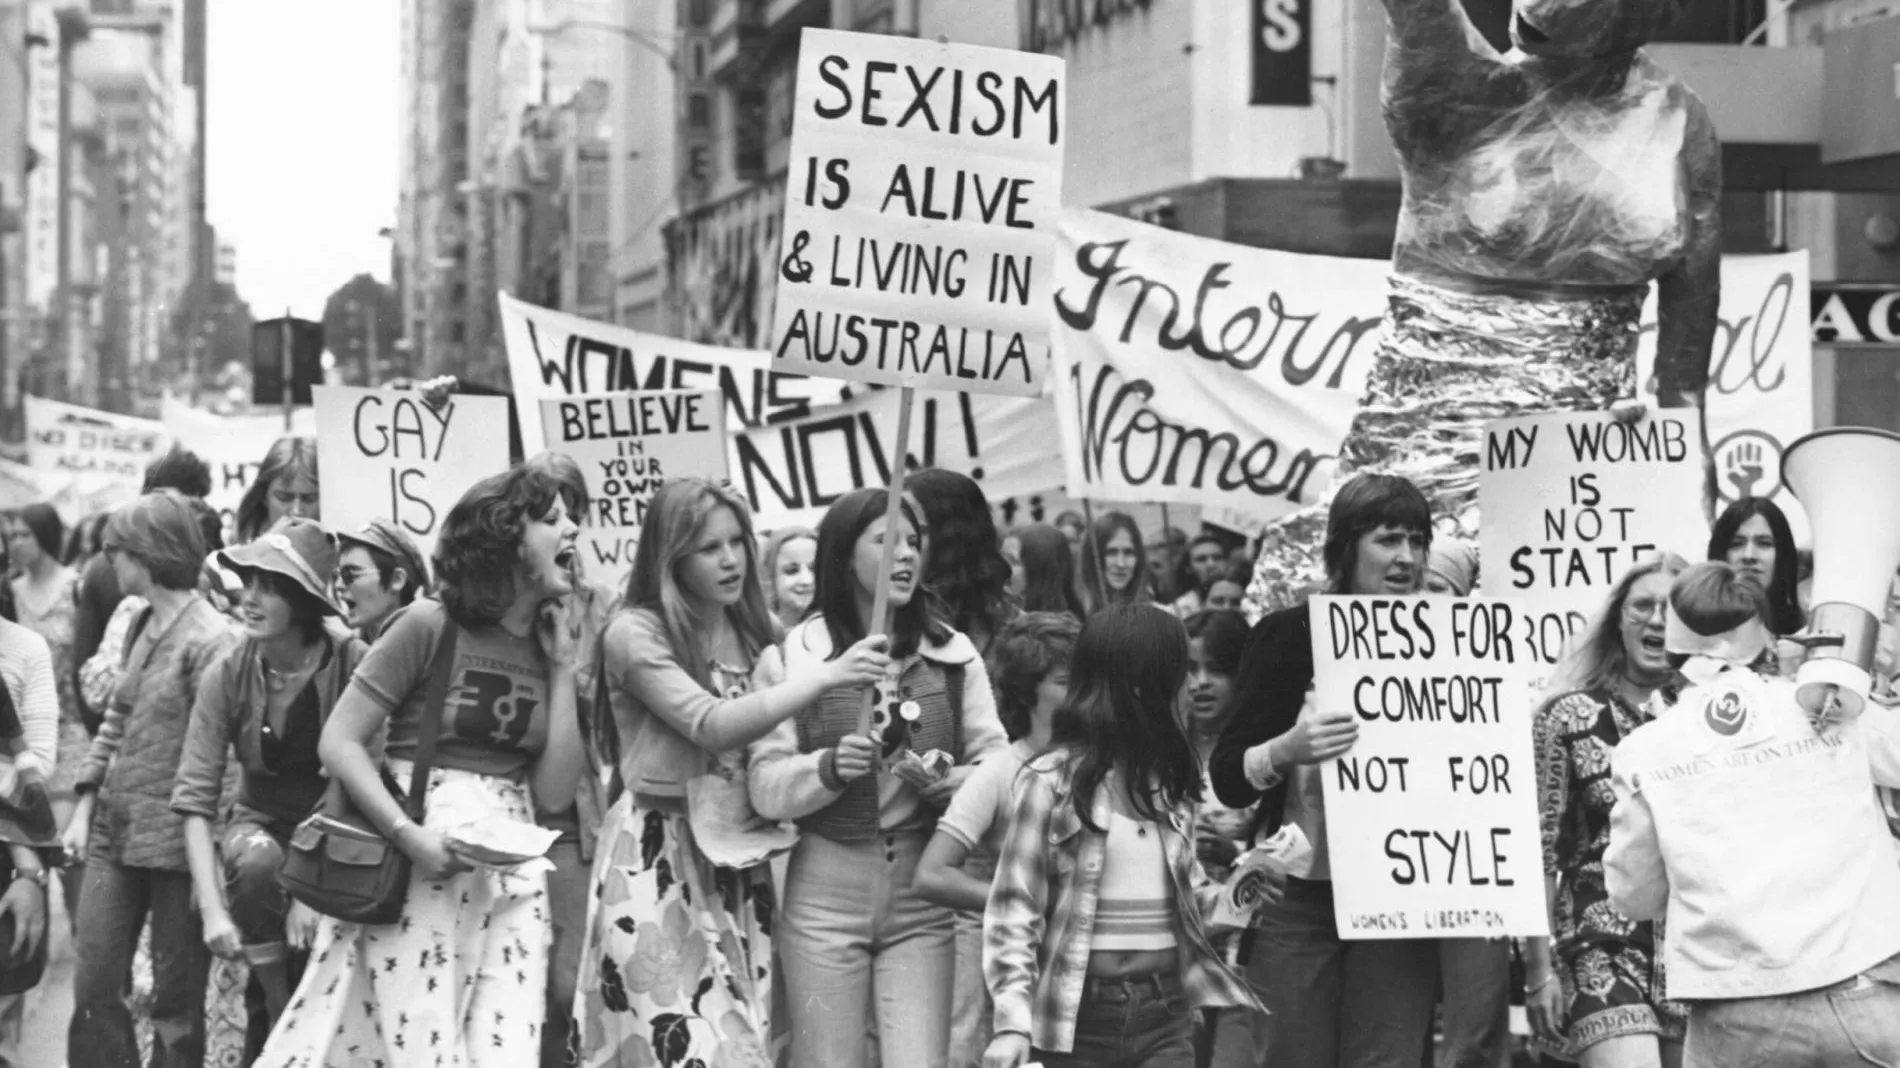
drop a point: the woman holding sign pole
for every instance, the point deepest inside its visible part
(1354, 1004)
(676, 872)
(857, 942)
(1594, 991)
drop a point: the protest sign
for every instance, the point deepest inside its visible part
(104, 453)
(388, 454)
(792, 471)
(232, 445)
(1571, 500)
(1198, 372)
(1431, 818)
(1761, 376)
(626, 445)
(924, 189)
(553, 354)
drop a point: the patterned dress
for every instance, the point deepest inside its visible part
(1608, 965)
(677, 966)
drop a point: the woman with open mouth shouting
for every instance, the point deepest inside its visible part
(461, 977)
(1594, 992)
(858, 945)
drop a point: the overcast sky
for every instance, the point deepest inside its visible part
(302, 169)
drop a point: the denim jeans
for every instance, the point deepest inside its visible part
(1334, 1003)
(1475, 978)
(1133, 1022)
(113, 907)
(857, 945)
(1856, 1022)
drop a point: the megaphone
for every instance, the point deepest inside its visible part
(1848, 479)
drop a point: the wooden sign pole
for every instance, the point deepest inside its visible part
(880, 621)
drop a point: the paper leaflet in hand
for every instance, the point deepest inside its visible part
(480, 832)
(1245, 891)
(922, 770)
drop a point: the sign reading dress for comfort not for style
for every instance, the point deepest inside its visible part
(923, 193)
(389, 454)
(1431, 818)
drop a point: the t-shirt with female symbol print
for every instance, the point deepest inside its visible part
(495, 714)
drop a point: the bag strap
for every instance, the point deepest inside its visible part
(431, 728)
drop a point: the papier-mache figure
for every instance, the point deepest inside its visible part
(1544, 189)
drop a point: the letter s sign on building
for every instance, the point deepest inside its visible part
(1282, 53)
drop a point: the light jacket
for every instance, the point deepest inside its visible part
(1040, 924)
(1759, 840)
(668, 724)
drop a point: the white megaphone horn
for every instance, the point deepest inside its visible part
(1848, 480)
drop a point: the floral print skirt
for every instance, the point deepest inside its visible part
(676, 969)
(459, 981)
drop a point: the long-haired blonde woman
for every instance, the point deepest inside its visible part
(286, 485)
(678, 951)
(1598, 996)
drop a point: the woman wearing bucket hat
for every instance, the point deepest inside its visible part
(268, 696)
(379, 573)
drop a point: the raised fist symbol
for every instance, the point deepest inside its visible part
(1744, 467)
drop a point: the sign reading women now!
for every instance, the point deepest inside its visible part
(1431, 818)
(924, 191)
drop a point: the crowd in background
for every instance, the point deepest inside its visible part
(1073, 735)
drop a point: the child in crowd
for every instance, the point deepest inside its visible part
(1097, 873)
(1029, 663)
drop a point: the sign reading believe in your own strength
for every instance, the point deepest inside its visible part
(627, 444)
(389, 454)
(925, 184)
(1571, 500)
(1431, 817)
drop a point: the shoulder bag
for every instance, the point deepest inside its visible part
(338, 863)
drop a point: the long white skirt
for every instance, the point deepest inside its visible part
(459, 982)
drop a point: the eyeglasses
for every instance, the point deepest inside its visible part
(1640, 610)
(347, 576)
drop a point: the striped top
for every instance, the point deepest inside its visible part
(26, 668)
(1135, 911)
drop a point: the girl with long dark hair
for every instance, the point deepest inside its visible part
(286, 485)
(1044, 570)
(677, 664)
(1114, 563)
(966, 568)
(1753, 535)
(1098, 874)
(856, 941)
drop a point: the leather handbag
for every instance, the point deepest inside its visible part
(338, 863)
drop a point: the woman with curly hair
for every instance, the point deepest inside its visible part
(965, 568)
(286, 485)
(462, 977)
(1595, 991)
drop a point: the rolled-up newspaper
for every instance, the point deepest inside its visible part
(1245, 891)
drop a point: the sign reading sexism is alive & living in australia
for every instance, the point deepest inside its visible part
(1571, 500)
(389, 454)
(627, 444)
(1431, 817)
(925, 185)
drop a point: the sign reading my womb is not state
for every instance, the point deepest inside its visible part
(627, 444)
(388, 454)
(1431, 817)
(924, 191)
(1570, 501)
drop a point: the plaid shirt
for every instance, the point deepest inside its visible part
(1040, 922)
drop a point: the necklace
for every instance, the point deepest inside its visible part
(278, 681)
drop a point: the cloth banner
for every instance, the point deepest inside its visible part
(1572, 500)
(790, 473)
(627, 444)
(923, 189)
(1761, 377)
(1431, 819)
(387, 454)
(1201, 372)
(103, 453)
(233, 446)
